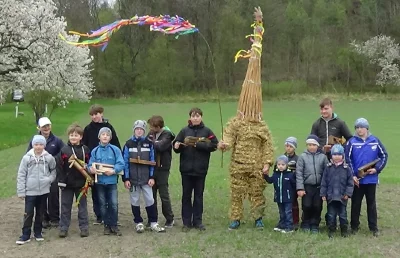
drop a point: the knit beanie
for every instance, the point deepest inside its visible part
(282, 158)
(140, 124)
(362, 123)
(105, 130)
(292, 141)
(312, 139)
(337, 149)
(39, 139)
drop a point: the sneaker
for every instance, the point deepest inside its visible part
(375, 233)
(39, 237)
(98, 221)
(259, 224)
(140, 228)
(54, 224)
(84, 233)
(156, 228)
(22, 240)
(330, 234)
(234, 225)
(115, 231)
(45, 224)
(119, 224)
(186, 228)
(277, 229)
(305, 230)
(200, 227)
(107, 231)
(344, 232)
(314, 231)
(169, 223)
(354, 231)
(63, 233)
(287, 231)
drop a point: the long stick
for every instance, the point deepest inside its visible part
(218, 93)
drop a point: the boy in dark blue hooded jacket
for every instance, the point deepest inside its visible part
(285, 187)
(336, 188)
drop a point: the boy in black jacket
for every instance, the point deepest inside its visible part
(336, 188)
(285, 189)
(290, 152)
(72, 182)
(162, 138)
(194, 143)
(91, 140)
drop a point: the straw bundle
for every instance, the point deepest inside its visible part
(250, 100)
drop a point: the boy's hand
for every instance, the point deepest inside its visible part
(345, 197)
(356, 181)
(301, 193)
(151, 182)
(371, 171)
(22, 197)
(92, 170)
(127, 184)
(109, 172)
(176, 145)
(222, 145)
(327, 148)
(265, 169)
(324, 198)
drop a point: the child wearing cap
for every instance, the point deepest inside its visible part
(35, 174)
(310, 166)
(336, 188)
(285, 188)
(290, 152)
(360, 150)
(107, 190)
(139, 176)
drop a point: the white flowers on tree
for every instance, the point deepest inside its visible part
(385, 52)
(36, 60)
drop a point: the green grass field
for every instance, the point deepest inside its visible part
(286, 118)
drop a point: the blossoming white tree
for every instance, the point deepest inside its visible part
(384, 52)
(33, 57)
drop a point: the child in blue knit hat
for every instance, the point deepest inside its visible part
(336, 188)
(285, 187)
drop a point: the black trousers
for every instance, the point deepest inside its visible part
(51, 206)
(192, 213)
(369, 190)
(161, 186)
(312, 207)
(33, 204)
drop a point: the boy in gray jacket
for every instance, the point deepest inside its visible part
(309, 168)
(35, 174)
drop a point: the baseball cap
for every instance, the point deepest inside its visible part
(44, 121)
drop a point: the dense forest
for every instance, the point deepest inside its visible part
(306, 47)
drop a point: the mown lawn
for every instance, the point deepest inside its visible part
(286, 118)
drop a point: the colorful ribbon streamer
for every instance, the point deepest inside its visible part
(163, 23)
(256, 38)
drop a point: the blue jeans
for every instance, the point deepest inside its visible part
(108, 200)
(285, 216)
(32, 204)
(337, 208)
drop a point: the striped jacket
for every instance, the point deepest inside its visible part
(359, 152)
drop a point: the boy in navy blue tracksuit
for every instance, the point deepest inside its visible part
(336, 188)
(360, 150)
(285, 187)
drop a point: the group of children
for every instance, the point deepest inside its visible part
(316, 179)
(145, 162)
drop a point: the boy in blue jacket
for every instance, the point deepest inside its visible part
(139, 176)
(106, 186)
(360, 150)
(285, 187)
(336, 188)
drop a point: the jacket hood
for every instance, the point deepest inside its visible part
(334, 116)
